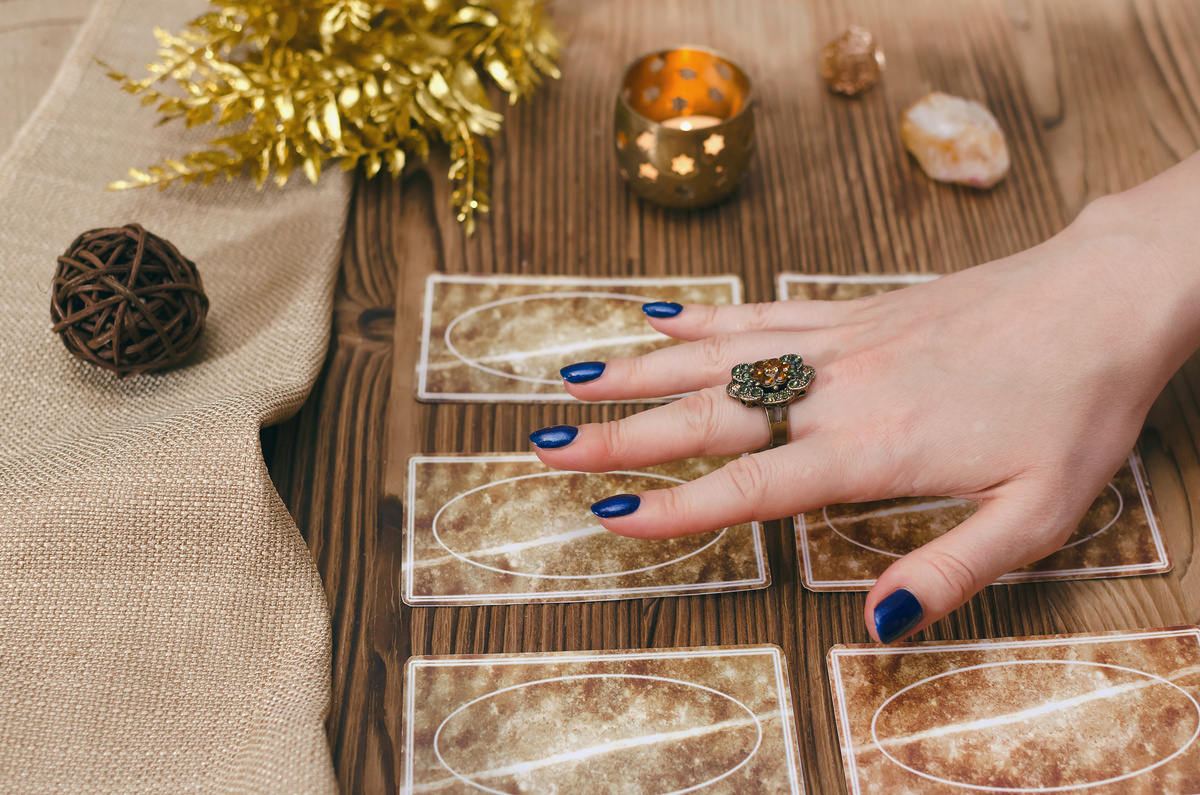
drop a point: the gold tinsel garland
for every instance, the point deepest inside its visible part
(299, 82)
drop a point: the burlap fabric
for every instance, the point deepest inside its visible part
(162, 626)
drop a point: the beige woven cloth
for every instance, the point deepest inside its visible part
(162, 625)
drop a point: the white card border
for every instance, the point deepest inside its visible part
(734, 282)
(783, 691)
(839, 690)
(551, 597)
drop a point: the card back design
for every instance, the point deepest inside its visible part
(847, 547)
(507, 529)
(715, 720)
(1103, 714)
(504, 338)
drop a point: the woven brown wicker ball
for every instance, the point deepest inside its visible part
(126, 300)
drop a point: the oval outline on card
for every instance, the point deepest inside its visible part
(1111, 522)
(1064, 787)
(434, 523)
(520, 299)
(461, 777)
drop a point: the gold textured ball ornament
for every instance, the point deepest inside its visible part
(126, 300)
(684, 127)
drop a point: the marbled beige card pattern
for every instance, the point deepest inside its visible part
(715, 720)
(507, 529)
(807, 287)
(846, 547)
(1104, 714)
(504, 338)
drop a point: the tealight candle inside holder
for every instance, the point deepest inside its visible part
(684, 127)
(691, 122)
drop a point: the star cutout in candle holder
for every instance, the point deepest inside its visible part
(647, 171)
(713, 144)
(645, 141)
(683, 165)
(678, 104)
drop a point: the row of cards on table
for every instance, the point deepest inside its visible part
(496, 529)
(488, 339)
(1100, 714)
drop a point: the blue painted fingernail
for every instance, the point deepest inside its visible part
(554, 436)
(896, 615)
(616, 505)
(582, 372)
(662, 309)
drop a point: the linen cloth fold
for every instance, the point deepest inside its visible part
(162, 625)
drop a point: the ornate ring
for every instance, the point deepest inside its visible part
(772, 384)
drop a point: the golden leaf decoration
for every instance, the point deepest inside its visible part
(294, 83)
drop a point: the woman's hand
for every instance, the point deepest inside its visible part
(1021, 385)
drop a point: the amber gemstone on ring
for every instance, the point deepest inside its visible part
(771, 382)
(771, 372)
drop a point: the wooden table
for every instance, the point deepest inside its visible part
(1094, 95)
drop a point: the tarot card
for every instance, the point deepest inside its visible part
(504, 338)
(847, 547)
(1103, 714)
(506, 529)
(715, 720)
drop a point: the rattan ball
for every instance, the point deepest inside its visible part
(126, 300)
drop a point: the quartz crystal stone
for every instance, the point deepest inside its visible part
(851, 63)
(955, 140)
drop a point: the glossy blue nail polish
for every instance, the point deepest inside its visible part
(662, 309)
(616, 505)
(896, 615)
(582, 372)
(554, 436)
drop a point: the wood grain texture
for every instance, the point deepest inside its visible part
(1095, 96)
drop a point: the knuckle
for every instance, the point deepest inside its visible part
(615, 438)
(635, 371)
(672, 504)
(708, 315)
(758, 317)
(748, 480)
(700, 414)
(858, 366)
(958, 576)
(715, 352)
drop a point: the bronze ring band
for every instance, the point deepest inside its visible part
(777, 420)
(772, 384)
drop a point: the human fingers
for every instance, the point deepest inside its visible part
(768, 485)
(706, 422)
(932, 581)
(697, 321)
(684, 368)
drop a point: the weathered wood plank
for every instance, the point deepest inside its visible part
(1095, 97)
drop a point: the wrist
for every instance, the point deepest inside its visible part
(1144, 243)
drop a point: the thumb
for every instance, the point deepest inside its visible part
(926, 584)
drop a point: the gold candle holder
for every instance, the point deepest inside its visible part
(684, 128)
